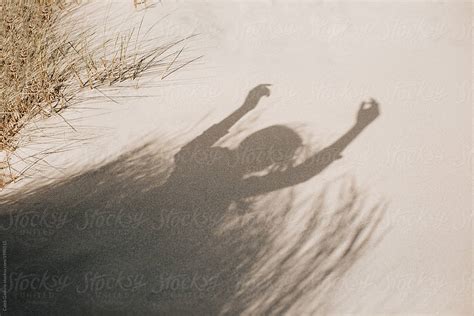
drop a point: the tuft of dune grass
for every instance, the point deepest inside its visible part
(46, 61)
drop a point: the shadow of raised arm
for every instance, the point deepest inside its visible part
(312, 166)
(210, 136)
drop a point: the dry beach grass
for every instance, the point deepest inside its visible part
(48, 58)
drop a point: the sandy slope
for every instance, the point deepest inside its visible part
(322, 60)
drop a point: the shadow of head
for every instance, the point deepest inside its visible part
(274, 146)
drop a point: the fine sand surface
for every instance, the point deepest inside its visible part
(322, 60)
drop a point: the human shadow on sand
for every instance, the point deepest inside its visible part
(216, 231)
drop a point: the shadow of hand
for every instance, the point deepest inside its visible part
(368, 112)
(255, 95)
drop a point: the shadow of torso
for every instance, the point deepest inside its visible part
(187, 214)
